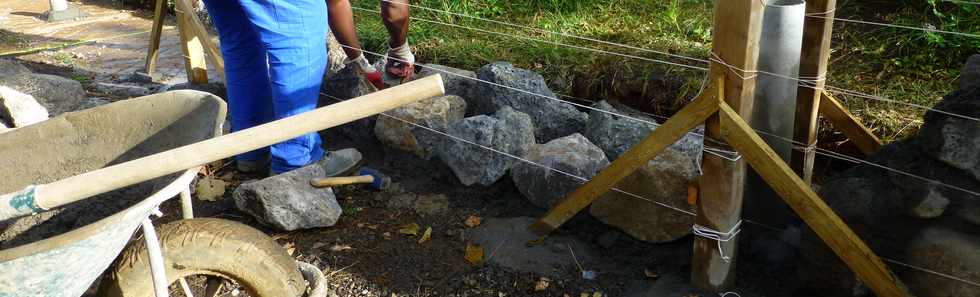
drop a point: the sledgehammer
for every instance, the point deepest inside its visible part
(373, 178)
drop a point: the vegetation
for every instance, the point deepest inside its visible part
(905, 65)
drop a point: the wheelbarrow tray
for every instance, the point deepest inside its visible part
(62, 251)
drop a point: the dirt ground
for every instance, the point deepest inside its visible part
(365, 254)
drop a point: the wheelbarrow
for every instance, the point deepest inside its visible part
(56, 242)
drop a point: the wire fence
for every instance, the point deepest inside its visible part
(806, 82)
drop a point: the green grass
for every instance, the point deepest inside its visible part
(899, 64)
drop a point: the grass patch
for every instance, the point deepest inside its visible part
(900, 64)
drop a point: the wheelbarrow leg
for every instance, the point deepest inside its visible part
(186, 204)
(156, 259)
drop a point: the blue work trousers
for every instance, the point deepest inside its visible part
(275, 54)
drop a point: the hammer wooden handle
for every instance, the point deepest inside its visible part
(340, 181)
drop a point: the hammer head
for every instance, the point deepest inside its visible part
(381, 181)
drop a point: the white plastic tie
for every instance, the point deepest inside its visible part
(719, 236)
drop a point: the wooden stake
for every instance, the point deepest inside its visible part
(155, 33)
(797, 193)
(193, 23)
(190, 45)
(637, 156)
(813, 63)
(844, 121)
(738, 25)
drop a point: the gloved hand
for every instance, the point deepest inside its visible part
(370, 73)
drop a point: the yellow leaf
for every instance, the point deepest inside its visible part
(474, 253)
(473, 221)
(542, 284)
(210, 189)
(426, 235)
(409, 229)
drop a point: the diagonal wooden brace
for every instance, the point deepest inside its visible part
(831, 229)
(637, 156)
(847, 123)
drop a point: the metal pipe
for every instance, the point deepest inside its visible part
(774, 109)
(157, 271)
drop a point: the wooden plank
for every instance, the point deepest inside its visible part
(738, 25)
(196, 28)
(681, 123)
(797, 193)
(190, 45)
(813, 63)
(155, 33)
(843, 120)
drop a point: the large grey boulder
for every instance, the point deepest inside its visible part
(542, 183)
(955, 140)
(970, 75)
(287, 201)
(20, 109)
(615, 134)
(508, 131)
(394, 129)
(343, 85)
(945, 251)
(458, 82)
(57, 94)
(663, 179)
(527, 92)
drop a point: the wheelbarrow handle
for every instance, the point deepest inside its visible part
(46, 196)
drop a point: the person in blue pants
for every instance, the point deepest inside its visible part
(275, 57)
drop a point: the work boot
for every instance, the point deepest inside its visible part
(340, 162)
(259, 165)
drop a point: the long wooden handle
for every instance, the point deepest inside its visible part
(96, 182)
(340, 181)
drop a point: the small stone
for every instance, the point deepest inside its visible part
(431, 205)
(93, 102)
(574, 155)
(287, 201)
(395, 128)
(552, 118)
(509, 131)
(931, 206)
(121, 90)
(20, 109)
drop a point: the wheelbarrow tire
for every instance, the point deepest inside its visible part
(207, 246)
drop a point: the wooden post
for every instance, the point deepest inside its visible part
(821, 219)
(813, 64)
(190, 44)
(195, 27)
(156, 31)
(738, 25)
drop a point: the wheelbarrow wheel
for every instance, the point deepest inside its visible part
(208, 247)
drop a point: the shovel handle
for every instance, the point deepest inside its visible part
(324, 182)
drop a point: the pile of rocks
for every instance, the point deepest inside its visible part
(503, 119)
(908, 218)
(27, 98)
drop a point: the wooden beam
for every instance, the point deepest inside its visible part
(738, 25)
(159, 14)
(190, 45)
(192, 23)
(813, 63)
(797, 193)
(843, 120)
(637, 156)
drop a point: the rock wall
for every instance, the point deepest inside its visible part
(907, 218)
